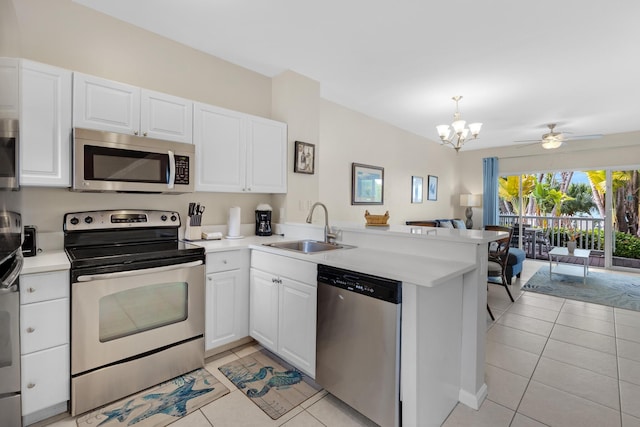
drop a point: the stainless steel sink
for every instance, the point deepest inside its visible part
(307, 246)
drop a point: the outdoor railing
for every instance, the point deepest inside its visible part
(554, 228)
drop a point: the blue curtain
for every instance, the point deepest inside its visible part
(490, 211)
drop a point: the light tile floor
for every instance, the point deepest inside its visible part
(549, 362)
(557, 362)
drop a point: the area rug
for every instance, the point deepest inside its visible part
(614, 290)
(270, 382)
(160, 405)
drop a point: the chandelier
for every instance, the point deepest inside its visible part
(460, 133)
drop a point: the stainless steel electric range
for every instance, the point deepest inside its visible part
(137, 303)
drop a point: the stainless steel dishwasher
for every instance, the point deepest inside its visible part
(358, 342)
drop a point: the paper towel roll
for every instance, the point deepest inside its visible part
(234, 222)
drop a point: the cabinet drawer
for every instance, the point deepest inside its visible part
(228, 260)
(280, 265)
(44, 286)
(44, 325)
(45, 379)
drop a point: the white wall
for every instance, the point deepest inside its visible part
(350, 137)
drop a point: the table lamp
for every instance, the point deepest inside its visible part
(470, 201)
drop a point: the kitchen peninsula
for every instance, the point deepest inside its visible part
(443, 306)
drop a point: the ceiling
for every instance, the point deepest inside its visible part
(519, 65)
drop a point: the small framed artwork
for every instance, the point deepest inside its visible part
(416, 189)
(367, 184)
(305, 155)
(432, 188)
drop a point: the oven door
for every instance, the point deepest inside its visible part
(10, 342)
(116, 316)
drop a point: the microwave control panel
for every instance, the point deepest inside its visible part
(182, 170)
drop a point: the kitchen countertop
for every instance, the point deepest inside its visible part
(46, 261)
(231, 244)
(419, 270)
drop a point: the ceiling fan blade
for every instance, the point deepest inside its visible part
(528, 140)
(577, 137)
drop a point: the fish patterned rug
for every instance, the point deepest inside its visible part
(160, 405)
(270, 382)
(615, 290)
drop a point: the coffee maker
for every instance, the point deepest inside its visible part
(263, 220)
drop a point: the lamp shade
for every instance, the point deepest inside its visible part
(470, 200)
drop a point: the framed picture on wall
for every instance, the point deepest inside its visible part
(432, 187)
(416, 189)
(305, 155)
(367, 184)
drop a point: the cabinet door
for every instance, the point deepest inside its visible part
(266, 156)
(219, 136)
(105, 105)
(263, 309)
(45, 379)
(227, 308)
(165, 116)
(9, 88)
(297, 325)
(44, 325)
(45, 125)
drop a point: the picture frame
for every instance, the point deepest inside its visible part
(432, 187)
(304, 157)
(367, 184)
(416, 189)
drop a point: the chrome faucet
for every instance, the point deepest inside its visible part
(327, 230)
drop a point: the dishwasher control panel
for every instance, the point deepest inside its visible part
(376, 287)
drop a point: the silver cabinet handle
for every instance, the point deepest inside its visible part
(144, 134)
(31, 385)
(30, 330)
(135, 132)
(31, 290)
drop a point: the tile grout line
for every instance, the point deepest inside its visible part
(534, 370)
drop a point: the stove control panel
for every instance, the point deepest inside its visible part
(96, 220)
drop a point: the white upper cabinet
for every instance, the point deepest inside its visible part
(105, 105)
(45, 125)
(118, 107)
(266, 156)
(165, 116)
(238, 152)
(9, 88)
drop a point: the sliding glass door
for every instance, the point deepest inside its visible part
(600, 207)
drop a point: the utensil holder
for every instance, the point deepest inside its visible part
(192, 232)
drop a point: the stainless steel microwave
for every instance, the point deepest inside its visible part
(107, 161)
(9, 155)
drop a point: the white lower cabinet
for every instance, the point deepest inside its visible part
(44, 344)
(45, 378)
(227, 298)
(282, 308)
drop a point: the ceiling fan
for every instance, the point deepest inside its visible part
(554, 139)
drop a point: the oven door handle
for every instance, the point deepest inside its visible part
(121, 274)
(172, 170)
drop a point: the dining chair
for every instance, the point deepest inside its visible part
(499, 256)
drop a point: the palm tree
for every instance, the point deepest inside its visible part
(509, 191)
